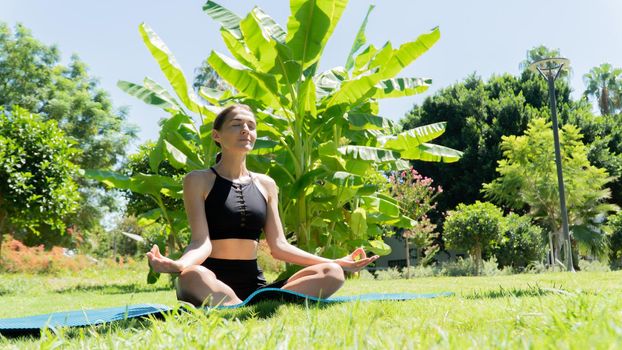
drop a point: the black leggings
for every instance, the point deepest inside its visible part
(243, 276)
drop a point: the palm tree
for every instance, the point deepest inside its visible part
(605, 84)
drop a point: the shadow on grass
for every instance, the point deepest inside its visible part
(114, 289)
(529, 291)
(266, 309)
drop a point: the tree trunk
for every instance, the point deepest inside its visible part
(407, 259)
(558, 241)
(3, 216)
(551, 251)
(170, 244)
(478, 259)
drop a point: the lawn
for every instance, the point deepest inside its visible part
(539, 311)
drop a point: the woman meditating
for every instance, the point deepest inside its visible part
(228, 207)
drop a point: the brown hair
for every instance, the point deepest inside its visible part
(220, 120)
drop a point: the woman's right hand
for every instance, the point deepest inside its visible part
(162, 264)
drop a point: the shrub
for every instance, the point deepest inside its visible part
(474, 228)
(491, 268)
(18, 258)
(520, 243)
(460, 267)
(366, 275)
(593, 266)
(419, 271)
(392, 273)
(615, 240)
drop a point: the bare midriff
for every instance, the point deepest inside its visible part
(234, 248)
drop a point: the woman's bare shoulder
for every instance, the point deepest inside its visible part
(267, 186)
(266, 181)
(199, 180)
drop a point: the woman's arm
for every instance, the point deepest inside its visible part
(200, 246)
(282, 250)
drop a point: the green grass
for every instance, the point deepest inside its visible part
(545, 311)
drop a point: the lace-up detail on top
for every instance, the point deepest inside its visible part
(235, 210)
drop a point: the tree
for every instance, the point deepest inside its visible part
(539, 53)
(478, 114)
(32, 77)
(474, 228)
(37, 187)
(319, 133)
(604, 83)
(528, 180)
(520, 242)
(206, 78)
(602, 136)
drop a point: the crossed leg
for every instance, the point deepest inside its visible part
(199, 286)
(321, 280)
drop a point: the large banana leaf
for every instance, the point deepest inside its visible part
(229, 20)
(149, 96)
(329, 81)
(412, 144)
(155, 184)
(401, 87)
(408, 52)
(413, 137)
(238, 49)
(274, 30)
(245, 80)
(272, 55)
(361, 61)
(358, 223)
(179, 159)
(389, 62)
(369, 154)
(309, 26)
(382, 205)
(362, 121)
(173, 72)
(359, 41)
(109, 178)
(161, 91)
(140, 183)
(432, 153)
(156, 156)
(259, 42)
(307, 97)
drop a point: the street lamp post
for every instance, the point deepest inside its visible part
(550, 69)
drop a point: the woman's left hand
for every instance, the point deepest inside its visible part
(350, 262)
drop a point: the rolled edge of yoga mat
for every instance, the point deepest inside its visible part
(32, 325)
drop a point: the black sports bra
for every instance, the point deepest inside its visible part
(235, 210)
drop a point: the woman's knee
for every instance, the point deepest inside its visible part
(194, 273)
(334, 271)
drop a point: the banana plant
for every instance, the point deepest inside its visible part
(319, 133)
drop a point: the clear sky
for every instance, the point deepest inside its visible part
(485, 37)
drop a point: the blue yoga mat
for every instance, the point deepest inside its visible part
(32, 325)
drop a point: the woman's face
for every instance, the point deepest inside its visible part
(238, 132)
